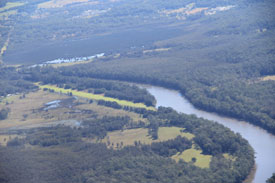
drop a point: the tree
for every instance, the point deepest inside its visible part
(4, 113)
(271, 179)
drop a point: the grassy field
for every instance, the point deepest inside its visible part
(202, 161)
(228, 156)
(9, 99)
(166, 133)
(21, 110)
(28, 112)
(156, 50)
(10, 5)
(266, 78)
(5, 138)
(128, 137)
(107, 111)
(96, 97)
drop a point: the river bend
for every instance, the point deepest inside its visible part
(262, 141)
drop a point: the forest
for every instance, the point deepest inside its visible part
(64, 157)
(12, 82)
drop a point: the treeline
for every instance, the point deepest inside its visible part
(61, 153)
(12, 82)
(65, 79)
(115, 105)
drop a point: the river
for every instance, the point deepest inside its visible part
(262, 142)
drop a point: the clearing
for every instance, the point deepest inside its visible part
(201, 160)
(130, 136)
(22, 111)
(30, 111)
(266, 78)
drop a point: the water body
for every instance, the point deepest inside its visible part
(262, 142)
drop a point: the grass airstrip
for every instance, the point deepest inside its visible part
(96, 97)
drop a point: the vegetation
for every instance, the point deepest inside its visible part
(224, 88)
(12, 82)
(100, 98)
(195, 156)
(4, 114)
(140, 135)
(63, 155)
(271, 179)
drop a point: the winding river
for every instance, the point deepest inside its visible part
(262, 142)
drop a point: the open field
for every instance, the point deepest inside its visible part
(228, 156)
(128, 137)
(5, 138)
(96, 97)
(166, 133)
(266, 78)
(29, 112)
(9, 99)
(156, 50)
(202, 161)
(107, 111)
(10, 5)
(22, 110)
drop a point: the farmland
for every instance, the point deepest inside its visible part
(22, 111)
(95, 97)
